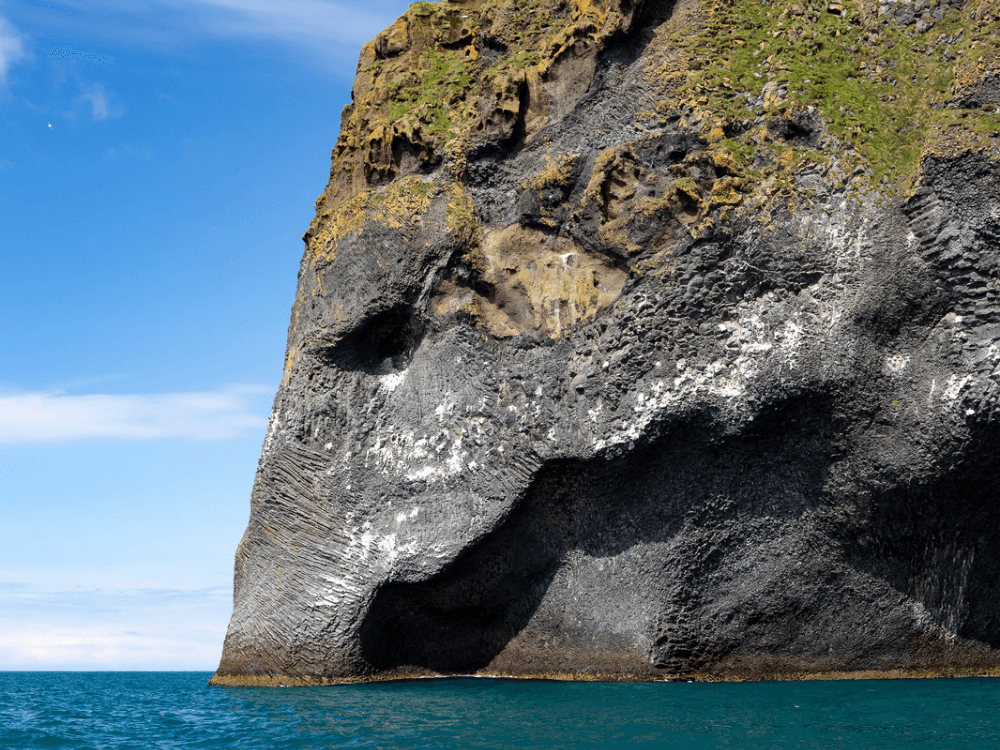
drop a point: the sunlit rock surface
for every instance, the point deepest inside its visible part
(639, 339)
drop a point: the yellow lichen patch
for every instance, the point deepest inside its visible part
(556, 172)
(613, 234)
(725, 192)
(533, 283)
(612, 182)
(290, 357)
(396, 38)
(725, 160)
(396, 206)
(607, 15)
(687, 192)
(462, 222)
(716, 134)
(602, 165)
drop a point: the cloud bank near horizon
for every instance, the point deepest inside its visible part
(142, 629)
(222, 414)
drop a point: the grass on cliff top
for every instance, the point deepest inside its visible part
(441, 79)
(881, 88)
(436, 87)
(432, 87)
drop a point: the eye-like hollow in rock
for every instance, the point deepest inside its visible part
(384, 340)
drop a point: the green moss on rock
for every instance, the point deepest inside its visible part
(885, 91)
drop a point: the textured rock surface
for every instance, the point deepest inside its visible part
(635, 339)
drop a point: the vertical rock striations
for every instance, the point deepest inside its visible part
(639, 338)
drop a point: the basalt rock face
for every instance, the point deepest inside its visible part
(635, 339)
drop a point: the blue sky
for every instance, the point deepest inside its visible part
(159, 160)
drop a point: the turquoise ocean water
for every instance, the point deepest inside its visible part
(160, 710)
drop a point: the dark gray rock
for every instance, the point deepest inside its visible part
(769, 445)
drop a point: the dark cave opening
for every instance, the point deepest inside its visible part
(461, 619)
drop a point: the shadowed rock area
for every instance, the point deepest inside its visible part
(639, 340)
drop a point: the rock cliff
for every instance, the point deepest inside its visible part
(637, 339)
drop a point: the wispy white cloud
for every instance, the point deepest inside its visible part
(102, 103)
(328, 31)
(89, 98)
(11, 48)
(299, 20)
(56, 417)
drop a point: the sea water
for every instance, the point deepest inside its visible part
(167, 710)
